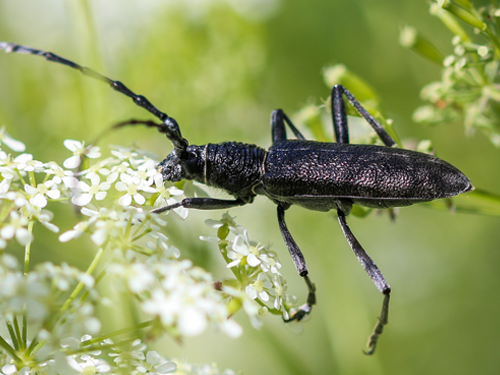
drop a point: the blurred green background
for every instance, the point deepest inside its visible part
(220, 68)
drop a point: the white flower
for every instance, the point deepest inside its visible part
(44, 217)
(79, 149)
(18, 198)
(16, 227)
(258, 288)
(157, 365)
(131, 186)
(86, 192)
(11, 142)
(25, 163)
(187, 299)
(165, 196)
(48, 188)
(77, 230)
(242, 249)
(89, 365)
(61, 175)
(138, 276)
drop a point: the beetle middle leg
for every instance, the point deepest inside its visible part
(300, 265)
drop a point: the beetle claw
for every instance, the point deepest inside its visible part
(299, 313)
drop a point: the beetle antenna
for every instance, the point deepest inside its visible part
(168, 125)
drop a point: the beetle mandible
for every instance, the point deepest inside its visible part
(315, 175)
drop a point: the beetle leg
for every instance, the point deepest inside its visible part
(202, 204)
(278, 120)
(340, 117)
(375, 275)
(300, 265)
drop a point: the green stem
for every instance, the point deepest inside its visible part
(24, 337)
(80, 285)
(5, 345)
(13, 335)
(32, 179)
(98, 278)
(27, 249)
(494, 40)
(117, 333)
(35, 346)
(20, 177)
(101, 346)
(6, 211)
(22, 344)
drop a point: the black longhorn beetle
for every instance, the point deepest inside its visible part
(315, 175)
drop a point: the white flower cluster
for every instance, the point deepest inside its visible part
(258, 283)
(58, 302)
(125, 357)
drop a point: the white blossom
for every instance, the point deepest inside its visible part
(86, 192)
(79, 149)
(16, 228)
(38, 194)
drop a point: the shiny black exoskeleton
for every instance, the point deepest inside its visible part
(317, 176)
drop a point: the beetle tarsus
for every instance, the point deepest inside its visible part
(382, 321)
(299, 313)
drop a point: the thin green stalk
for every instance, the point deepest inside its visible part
(20, 176)
(137, 236)
(80, 285)
(32, 178)
(13, 335)
(27, 249)
(22, 343)
(6, 211)
(97, 279)
(5, 345)
(101, 346)
(117, 333)
(493, 39)
(24, 336)
(36, 345)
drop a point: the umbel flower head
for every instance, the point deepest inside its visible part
(58, 302)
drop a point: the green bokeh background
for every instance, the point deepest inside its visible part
(220, 74)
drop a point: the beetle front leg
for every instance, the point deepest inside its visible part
(202, 204)
(375, 275)
(278, 120)
(300, 265)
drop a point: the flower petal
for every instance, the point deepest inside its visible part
(72, 145)
(72, 162)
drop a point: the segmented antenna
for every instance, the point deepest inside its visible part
(169, 125)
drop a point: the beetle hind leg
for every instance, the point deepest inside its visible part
(300, 265)
(375, 275)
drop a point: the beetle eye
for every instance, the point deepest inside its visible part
(190, 165)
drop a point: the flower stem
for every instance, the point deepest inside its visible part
(117, 333)
(36, 345)
(27, 249)
(81, 284)
(5, 345)
(13, 335)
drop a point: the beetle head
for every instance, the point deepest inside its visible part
(185, 165)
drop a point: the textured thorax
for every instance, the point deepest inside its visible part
(235, 167)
